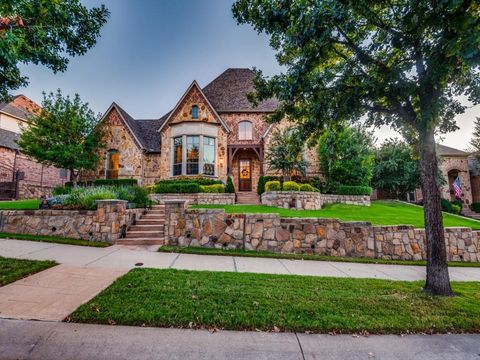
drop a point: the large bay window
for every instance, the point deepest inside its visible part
(177, 155)
(194, 155)
(208, 156)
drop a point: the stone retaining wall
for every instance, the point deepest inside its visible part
(301, 200)
(197, 198)
(104, 224)
(214, 228)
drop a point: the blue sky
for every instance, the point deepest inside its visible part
(151, 50)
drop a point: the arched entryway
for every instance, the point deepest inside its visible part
(245, 167)
(453, 174)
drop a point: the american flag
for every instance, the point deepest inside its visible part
(456, 187)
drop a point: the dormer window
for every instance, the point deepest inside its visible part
(245, 130)
(195, 112)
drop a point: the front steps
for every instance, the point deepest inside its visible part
(148, 230)
(469, 213)
(249, 197)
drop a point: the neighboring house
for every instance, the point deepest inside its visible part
(212, 132)
(452, 163)
(20, 176)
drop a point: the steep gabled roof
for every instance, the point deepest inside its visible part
(443, 150)
(228, 92)
(192, 85)
(144, 131)
(20, 107)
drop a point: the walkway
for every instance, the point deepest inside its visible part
(51, 341)
(122, 257)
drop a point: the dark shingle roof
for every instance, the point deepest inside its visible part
(443, 150)
(8, 139)
(228, 92)
(144, 130)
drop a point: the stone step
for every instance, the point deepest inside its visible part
(146, 227)
(156, 212)
(147, 221)
(153, 216)
(140, 241)
(144, 234)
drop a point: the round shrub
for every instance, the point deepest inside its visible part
(308, 187)
(272, 186)
(446, 205)
(291, 186)
(456, 209)
(177, 188)
(476, 207)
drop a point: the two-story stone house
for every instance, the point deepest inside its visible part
(212, 131)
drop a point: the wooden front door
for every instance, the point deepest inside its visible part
(245, 175)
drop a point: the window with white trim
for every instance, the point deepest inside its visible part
(177, 155)
(208, 156)
(193, 154)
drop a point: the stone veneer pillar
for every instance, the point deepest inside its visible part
(174, 217)
(111, 216)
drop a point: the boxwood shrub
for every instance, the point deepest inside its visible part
(261, 185)
(212, 189)
(230, 188)
(308, 187)
(291, 186)
(272, 186)
(476, 207)
(354, 190)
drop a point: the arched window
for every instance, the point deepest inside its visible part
(245, 130)
(194, 111)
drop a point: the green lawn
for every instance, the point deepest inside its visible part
(242, 301)
(267, 254)
(30, 204)
(53, 239)
(379, 213)
(14, 269)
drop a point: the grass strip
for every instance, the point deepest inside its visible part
(29, 204)
(272, 255)
(15, 269)
(245, 301)
(53, 239)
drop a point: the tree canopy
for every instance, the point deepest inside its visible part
(396, 168)
(346, 156)
(401, 63)
(66, 134)
(44, 32)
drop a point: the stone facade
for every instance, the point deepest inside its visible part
(198, 198)
(104, 224)
(300, 200)
(450, 167)
(214, 228)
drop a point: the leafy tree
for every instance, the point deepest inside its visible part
(396, 169)
(44, 32)
(65, 134)
(475, 141)
(400, 63)
(346, 156)
(284, 153)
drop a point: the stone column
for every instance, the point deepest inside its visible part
(110, 216)
(174, 211)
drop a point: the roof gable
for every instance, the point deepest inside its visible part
(182, 110)
(443, 150)
(20, 107)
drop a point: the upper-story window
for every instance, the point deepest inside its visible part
(194, 111)
(245, 130)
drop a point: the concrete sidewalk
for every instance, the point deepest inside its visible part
(51, 341)
(124, 257)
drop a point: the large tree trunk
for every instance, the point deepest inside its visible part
(438, 280)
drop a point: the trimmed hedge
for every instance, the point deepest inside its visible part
(177, 187)
(354, 190)
(108, 182)
(291, 186)
(272, 186)
(212, 189)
